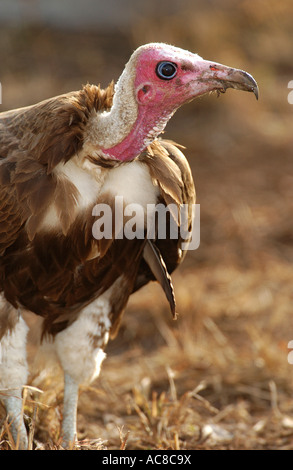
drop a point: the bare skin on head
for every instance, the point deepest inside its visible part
(156, 81)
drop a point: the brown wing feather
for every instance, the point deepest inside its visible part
(155, 262)
(33, 140)
(53, 130)
(55, 276)
(171, 172)
(11, 219)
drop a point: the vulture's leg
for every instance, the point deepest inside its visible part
(13, 375)
(80, 349)
(69, 432)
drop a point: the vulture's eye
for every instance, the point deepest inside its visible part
(166, 70)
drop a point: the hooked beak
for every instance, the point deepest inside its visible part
(214, 76)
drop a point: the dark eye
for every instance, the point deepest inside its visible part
(166, 70)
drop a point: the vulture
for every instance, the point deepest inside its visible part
(62, 162)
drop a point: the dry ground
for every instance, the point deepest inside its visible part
(218, 378)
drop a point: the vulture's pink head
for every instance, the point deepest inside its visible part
(156, 81)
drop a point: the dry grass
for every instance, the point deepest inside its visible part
(218, 378)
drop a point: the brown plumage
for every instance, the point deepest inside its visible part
(52, 276)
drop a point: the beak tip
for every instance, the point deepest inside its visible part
(256, 92)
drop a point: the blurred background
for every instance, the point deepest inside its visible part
(218, 377)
